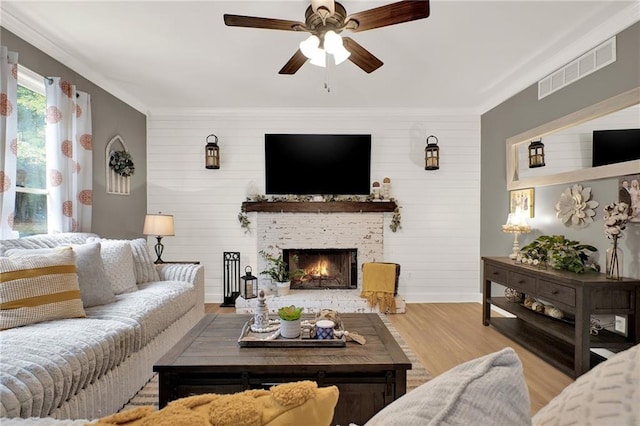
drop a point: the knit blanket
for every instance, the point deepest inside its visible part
(378, 285)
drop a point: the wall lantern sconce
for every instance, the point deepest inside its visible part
(536, 154)
(432, 154)
(248, 284)
(212, 153)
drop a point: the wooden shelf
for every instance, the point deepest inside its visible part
(559, 329)
(554, 351)
(564, 343)
(319, 206)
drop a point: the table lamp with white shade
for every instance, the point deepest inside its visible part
(516, 224)
(160, 225)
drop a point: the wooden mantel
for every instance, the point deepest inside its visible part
(319, 206)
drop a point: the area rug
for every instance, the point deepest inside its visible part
(418, 375)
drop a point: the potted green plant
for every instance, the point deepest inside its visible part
(279, 272)
(290, 321)
(559, 253)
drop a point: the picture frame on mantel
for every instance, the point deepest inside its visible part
(524, 199)
(629, 192)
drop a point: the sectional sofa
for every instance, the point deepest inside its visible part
(92, 347)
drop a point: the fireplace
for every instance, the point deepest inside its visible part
(324, 268)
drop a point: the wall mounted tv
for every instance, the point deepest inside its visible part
(615, 146)
(304, 164)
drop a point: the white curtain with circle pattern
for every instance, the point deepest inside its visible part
(8, 140)
(69, 157)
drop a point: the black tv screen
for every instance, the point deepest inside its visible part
(302, 164)
(615, 146)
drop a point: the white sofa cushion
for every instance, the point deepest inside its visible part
(45, 241)
(490, 390)
(608, 394)
(44, 364)
(150, 310)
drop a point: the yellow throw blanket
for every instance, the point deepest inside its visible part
(296, 403)
(378, 285)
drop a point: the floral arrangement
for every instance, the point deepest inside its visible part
(278, 270)
(616, 216)
(122, 163)
(290, 313)
(559, 253)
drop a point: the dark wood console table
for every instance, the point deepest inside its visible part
(564, 344)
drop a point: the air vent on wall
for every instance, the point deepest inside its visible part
(591, 61)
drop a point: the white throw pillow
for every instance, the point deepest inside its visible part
(490, 390)
(145, 269)
(117, 257)
(608, 394)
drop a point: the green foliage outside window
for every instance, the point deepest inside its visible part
(31, 209)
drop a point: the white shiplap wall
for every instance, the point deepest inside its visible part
(438, 245)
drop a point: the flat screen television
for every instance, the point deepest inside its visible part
(615, 146)
(305, 164)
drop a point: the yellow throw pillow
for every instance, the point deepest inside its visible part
(297, 403)
(39, 287)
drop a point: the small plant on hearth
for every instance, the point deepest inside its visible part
(290, 313)
(278, 269)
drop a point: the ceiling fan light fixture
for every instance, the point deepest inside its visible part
(341, 55)
(319, 59)
(309, 47)
(332, 42)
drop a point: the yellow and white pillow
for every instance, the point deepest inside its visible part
(39, 287)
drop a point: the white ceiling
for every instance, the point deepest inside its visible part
(167, 55)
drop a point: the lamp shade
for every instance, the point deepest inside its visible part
(516, 222)
(160, 225)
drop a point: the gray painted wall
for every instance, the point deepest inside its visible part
(114, 216)
(523, 112)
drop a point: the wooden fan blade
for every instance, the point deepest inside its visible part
(391, 14)
(361, 56)
(294, 64)
(266, 23)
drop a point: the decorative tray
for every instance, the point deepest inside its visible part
(249, 338)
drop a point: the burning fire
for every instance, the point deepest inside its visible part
(320, 269)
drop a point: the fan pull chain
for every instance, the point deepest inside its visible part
(327, 86)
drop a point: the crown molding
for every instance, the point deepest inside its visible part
(31, 35)
(197, 113)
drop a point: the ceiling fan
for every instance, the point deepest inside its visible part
(325, 20)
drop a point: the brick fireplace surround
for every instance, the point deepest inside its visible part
(320, 230)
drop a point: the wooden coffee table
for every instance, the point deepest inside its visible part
(209, 360)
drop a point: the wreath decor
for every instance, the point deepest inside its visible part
(122, 163)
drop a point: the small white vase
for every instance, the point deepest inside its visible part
(283, 288)
(290, 329)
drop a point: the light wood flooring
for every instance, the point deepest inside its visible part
(443, 335)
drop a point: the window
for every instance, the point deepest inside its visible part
(31, 184)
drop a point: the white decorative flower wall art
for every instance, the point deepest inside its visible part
(575, 208)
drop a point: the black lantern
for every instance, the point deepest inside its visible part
(432, 154)
(212, 153)
(248, 284)
(536, 154)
